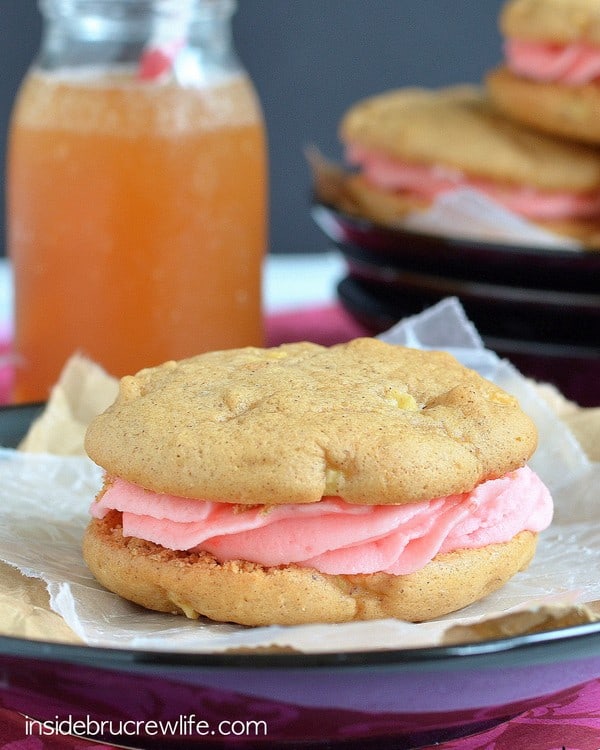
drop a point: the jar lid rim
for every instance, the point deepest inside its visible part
(128, 8)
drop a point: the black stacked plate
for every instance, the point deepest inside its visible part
(538, 306)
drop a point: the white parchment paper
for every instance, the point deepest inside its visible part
(44, 501)
(467, 213)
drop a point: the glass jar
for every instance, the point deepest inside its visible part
(136, 190)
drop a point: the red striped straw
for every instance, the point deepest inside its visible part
(168, 38)
(156, 61)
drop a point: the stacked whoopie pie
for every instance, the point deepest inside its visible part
(550, 79)
(527, 138)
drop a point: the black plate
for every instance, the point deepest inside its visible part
(542, 315)
(538, 306)
(519, 266)
(573, 368)
(398, 698)
(509, 292)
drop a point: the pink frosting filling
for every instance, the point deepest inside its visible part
(573, 64)
(431, 181)
(334, 536)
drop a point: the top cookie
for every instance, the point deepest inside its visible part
(368, 421)
(560, 21)
(457, 127)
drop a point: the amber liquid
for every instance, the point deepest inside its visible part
(137, 223)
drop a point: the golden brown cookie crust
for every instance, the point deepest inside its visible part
(368, 421)
(587, 232)
(196, 584)
(457, 127)
(351, 193)
(556, 109)
(561, 21)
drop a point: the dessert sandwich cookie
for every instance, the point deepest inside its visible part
(412, 145)
(550, 76)
(305, 484)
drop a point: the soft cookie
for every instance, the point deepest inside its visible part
(550, 78)
(304, 483)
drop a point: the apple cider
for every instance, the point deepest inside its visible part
(137, 217)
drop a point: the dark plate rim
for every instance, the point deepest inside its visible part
(554, 646)
(479, 289)
(573, 257)
(563, 644)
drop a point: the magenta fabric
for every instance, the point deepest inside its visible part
(325, 325)
(13, 737)
(571, 722)
(5, 363)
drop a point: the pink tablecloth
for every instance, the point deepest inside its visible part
(570, 723)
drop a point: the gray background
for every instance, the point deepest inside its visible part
(310, 60)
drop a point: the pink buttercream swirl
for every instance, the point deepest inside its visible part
(430, 181)
(573, 64)
(334, 536)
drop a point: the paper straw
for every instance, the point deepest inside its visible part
(169, 36)
(158, 59)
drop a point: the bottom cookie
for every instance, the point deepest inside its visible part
(557, 109)
(196, 584)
